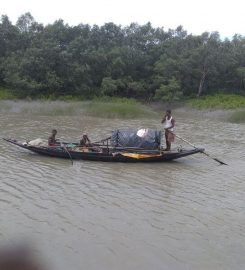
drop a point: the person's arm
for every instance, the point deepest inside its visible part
(87, 138)
(163, 120)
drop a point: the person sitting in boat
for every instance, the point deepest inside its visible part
(168, 124)
(52, 140)
(85, 141)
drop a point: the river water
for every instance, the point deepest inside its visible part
(186, 214)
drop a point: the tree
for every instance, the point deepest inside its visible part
(25, 22)
(137, 61)
(241, 74)
(202, 62)
(109, 86)
(170, 91)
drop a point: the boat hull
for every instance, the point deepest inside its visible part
(60, 152)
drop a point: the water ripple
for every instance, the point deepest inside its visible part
(187, 214)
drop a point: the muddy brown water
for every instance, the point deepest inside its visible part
(186, 214)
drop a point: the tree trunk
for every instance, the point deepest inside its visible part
(200, 89)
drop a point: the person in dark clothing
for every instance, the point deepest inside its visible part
(52, 140)
(85, 141)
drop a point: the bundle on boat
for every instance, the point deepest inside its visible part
(145, 139)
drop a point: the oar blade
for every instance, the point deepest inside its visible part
(203, 151)
(220, 162)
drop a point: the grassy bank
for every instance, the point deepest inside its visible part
(219, 101)
(237, 117)
(6, 94)
(109, 107)
(118, 108)
(103, 108)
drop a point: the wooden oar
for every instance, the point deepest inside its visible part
(184, 140)
(62, 145)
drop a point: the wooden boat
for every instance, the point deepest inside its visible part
(106, 153)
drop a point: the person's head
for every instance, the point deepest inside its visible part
(168, 112)
(54, 132)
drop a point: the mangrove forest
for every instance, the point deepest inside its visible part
(135, 61)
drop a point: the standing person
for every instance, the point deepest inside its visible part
(168, 124)
(52, 140)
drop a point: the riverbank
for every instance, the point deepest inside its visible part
(121, 109)
(118, 108)
(237, 117)
(233, 105)
(106, 107)
(7, 94)
(229, 107)
(219, 101)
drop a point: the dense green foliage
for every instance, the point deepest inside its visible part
(218, 101)
(134, 61)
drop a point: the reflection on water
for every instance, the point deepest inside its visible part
(187, 214)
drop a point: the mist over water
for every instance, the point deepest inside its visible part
(186, 214)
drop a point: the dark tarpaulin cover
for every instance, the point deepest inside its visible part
(149, 139)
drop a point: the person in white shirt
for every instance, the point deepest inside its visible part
(168, 124)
